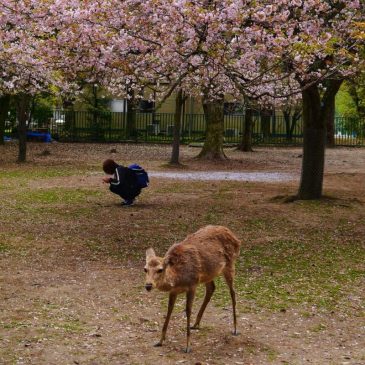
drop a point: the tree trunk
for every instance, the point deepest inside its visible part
(213, 145)
(314, 142)
(354, 90)
(295, 117)
(287, 115)
(328, 109)
(246, 141)
(291, 122)
(179, 102)
(95, 107)
(68, 129)
(22, 106)
(265, 123)
(4, 109)
(131, 116)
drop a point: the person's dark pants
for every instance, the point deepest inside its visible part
(128, 196)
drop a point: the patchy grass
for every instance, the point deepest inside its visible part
(67, 196)
(41, 172)
(14, 324)
(4, 247)
(285, 274)
(278, 275)
(316, 271)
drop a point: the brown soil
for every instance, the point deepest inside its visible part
(71, 280)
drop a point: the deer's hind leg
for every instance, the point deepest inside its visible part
(229, 277)
(209, 290)
(190, 294)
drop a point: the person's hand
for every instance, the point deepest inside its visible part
(106, 179)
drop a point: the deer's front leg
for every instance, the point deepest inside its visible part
(172, 300)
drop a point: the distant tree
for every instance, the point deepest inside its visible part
(356, 85)
(4, 109)
(24, 72)
(292, 114)
(329, 108)
(318, 44)
(173, 45)
(356, 90)
(214, 117)
(245, 144)
(179, 103)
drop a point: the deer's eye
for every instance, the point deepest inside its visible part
(159, 271)
(145, 270)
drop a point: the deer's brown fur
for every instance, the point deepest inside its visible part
(202, 256)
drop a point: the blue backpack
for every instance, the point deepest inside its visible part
(142, 176)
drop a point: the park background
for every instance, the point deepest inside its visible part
(269, 92)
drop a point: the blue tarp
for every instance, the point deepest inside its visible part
(44, 137)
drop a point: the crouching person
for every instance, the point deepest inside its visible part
(124, 181)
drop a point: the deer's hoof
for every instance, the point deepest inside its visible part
(235, 333)
(187, 350)
(158, 344)
(195, 327)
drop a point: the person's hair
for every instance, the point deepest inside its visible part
(109, 166)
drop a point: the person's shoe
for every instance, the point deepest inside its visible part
(128, 202)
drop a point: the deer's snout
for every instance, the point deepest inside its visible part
(148, 287)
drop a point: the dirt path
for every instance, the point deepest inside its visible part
(225, 176)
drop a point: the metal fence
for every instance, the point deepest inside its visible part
(83, 126)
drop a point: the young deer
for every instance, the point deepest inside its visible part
(200, 258)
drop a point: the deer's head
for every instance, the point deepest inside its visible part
(155, 270)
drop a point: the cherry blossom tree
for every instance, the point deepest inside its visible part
(308, 47)
(251, 48)
(23, 71)
(246, 49)
(4, 109)
(163, 45)
(320, 49)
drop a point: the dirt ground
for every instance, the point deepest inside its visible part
(71, 259)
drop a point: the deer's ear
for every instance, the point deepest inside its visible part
(150, 253)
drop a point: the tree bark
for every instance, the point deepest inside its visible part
(354, 88)
(291, 122)
(246, 141)
(213, 145)
(68, 129)
(22, 106)
(287, 116)
(175, 155)
(131, 116)
(4, 109)
(265, 123)
(295, 117)
(328, 109)
(95, 111)
(314, 143)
